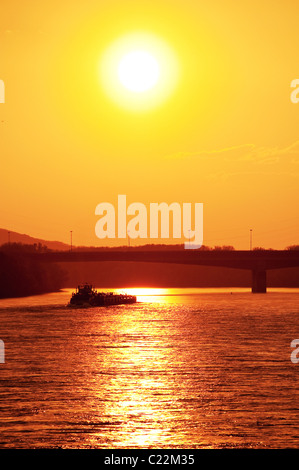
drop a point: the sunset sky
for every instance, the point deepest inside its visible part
(219, 128)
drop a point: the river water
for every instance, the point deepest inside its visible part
(182, 368)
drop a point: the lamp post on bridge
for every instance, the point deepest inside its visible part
(251, 239)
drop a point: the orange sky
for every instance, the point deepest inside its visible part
(227, 135)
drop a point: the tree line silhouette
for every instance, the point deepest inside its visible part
(20, 277)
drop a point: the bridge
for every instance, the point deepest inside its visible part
(258, 261)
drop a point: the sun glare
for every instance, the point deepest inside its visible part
(139, 71)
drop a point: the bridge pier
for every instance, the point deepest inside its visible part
(259, 281)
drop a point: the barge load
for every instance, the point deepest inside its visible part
(86, 295)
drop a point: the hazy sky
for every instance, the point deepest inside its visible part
(226, 136)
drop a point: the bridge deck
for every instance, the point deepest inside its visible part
(253, 260)
(258, 261)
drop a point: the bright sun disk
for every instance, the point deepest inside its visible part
(138, 71)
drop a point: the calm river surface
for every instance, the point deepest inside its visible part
(183, 368)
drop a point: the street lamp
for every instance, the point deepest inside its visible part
(251, 239)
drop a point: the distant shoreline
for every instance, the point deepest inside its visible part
(35, 294)
(227, 289)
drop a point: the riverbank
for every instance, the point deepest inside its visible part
(21, 278)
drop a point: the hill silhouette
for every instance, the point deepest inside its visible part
(16, 237)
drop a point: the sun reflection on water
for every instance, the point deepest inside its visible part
(190, 371)
(137, 381)
(148, 294)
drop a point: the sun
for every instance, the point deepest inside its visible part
(138, 71)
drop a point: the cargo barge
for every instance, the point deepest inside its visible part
(86, 295)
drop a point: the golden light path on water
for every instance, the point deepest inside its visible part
(170, 295)
(181, 368)
(140, 381)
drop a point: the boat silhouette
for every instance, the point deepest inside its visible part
(86, 295)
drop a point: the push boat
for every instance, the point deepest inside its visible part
(86, 295)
